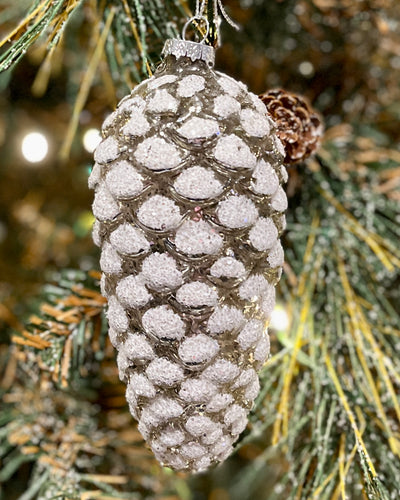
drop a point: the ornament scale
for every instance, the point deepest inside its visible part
(189, 208)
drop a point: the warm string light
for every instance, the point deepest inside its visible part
(34, 147)
(279, 319)
(91, 139)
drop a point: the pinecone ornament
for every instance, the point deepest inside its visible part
(299, 127)
(189, 209)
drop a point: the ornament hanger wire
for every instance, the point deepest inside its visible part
(211, 20)
(193, 20)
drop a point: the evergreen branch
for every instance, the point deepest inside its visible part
(64, 408)
(69, 331)
(98, 47)
(138, 33)
(41, 16)
(331, 402)
(63, 439)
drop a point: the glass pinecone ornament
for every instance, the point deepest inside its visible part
(299, 127)
(189, 208)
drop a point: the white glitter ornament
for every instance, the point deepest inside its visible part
(189, 211)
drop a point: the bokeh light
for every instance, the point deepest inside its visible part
(279, 319)
(34, 147)
(91, 139)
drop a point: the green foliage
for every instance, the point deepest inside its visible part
(326, 424)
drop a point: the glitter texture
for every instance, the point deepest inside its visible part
(160, 272)
(263, 234)
(228, 267)
(155, 83)
(259, 106)
(141, 386)
(234, 153)
(95, 176)
(110, 261)
(284, 173)
(172, 437)
(123, 365)
(131, 104)
(245, 378)
(198, 128)
(198, 183)
(197, 238)
(252, 390)
(229, 85)
(107, 150)
(261, 351)
(213, 436)
(224, 106)
(117, 318)
(156, 153)
(223, 447)
(189, 209)
(254, 123)
(103, 280)
(234, 413)
(137, 348)
(163, 372)
(96, 233)
(132, 292)
(219, 402)
(221, 372)
(199, 425)
(276, 255)
(128, 240)
(164, 409)
(123, 181)
(250, 334)
(190, 85)
(198, 349)
(197, 294)
(225, 319)
(162, 102)
(197, 390)
(237, 211)
(253, 288)
(104, 207)
(137, 124)
(279, 146)
(159, 212)
(193, 450)
(266, 180)
(115, 338)
(279, 200)
(163, 323)
(268, 301)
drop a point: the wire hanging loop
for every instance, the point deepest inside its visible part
(193, 20)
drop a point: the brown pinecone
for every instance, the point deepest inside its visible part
(299, 127)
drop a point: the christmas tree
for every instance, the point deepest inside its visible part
(326, 422)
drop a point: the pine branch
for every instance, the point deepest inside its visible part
(43, 15)
(330, 399)
(138, 31)
(329, 404)
(64, 408)
(68, 333)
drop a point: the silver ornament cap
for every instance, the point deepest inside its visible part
(193, 50)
